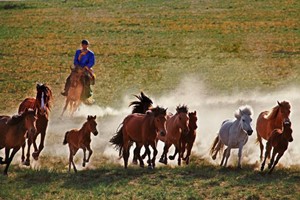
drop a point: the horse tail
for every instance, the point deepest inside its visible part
(217, 146)
(212, 149)
(65, 140)
(117, 141)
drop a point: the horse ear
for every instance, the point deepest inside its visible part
(95, 117)
(195, 112)
(88, 117)
(241, 112)
(278, 103)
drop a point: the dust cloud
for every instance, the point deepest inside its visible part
(212, 110)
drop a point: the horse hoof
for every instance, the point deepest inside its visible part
(134, 162)
(150, 167)
(35, 155)
(27, 163)
(163, 161)
(171, 157)
(214, 157)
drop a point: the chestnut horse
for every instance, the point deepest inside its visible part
(177, 127)
(141, 129)
(75, 91)
(13, 132)
(187, 141)
(267, 121)
(42, 103)
(279, 141)
(81, 139)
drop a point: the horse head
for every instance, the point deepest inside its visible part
(92, 124)
(287, 130)
(30, 118)
(193, 120)
(76, 76)
(244, 117)
(285, 109)
(160, 119)
(183, 117)
(43, 98)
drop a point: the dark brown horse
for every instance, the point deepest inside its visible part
(279, 141)
(267, 121)
(141, 129)
(13, 132)
(42, 103)
(177, 127)
(81, 139)
(187, 141)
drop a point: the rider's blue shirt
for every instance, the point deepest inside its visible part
(85, 60)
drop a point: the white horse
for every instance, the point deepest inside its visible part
(233, 134)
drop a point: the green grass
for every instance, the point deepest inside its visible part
(148, 45)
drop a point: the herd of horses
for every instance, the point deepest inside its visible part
(144, 127)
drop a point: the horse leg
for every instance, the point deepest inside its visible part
(240, 156)
(179, 157)
(272, 159)
(223, 158)
(163, 158)
(137, 152)
(84, 156)
(217, 148)
(175, 153)
(23, 152)
(135, 156)
(153, 145)
(90, 153)
(227, 156)
(65, 107)
(9, 159)
(267, 153)
(188, 153)
(279, 155)
(27, 161)
(259, 140)
(36, 154)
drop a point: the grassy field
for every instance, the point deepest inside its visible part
(148, 45)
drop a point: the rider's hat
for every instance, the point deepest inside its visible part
(86, 42)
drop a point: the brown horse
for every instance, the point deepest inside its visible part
(13, 132)
(177, 127)
(279, 141)
(141, 129)
(81, 139)
(141, 106)
(187, 141)
(267, 121)
(42, 103)
(75, 91)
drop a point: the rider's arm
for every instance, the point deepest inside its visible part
(91, 60)
(76, 62)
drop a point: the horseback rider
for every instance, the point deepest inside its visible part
(84, 58)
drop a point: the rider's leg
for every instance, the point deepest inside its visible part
(67, 86)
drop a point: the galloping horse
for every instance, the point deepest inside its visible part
(187, 141)
(42, 103)
(234, 134)
(75, 91)
(279, 141)
(177, 127)
(141, 129)
(81, 139)
(267, 121)
(141, 106)
(13, 132)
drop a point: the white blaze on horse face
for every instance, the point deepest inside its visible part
(42, 102)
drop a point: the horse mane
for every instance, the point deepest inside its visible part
(158, 111)
(246, 110)
(182, 109)
(142, 105)
(47, 91)
(275, 110)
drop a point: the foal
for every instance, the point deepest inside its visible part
(81, 139)
(279, 140)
